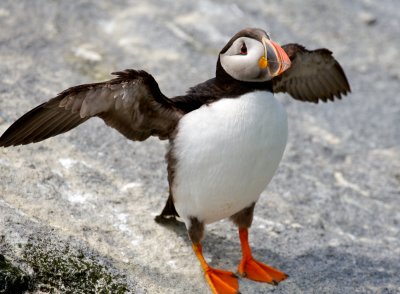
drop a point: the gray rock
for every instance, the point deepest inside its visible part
(76, 211)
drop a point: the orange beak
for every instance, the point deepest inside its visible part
(275, 58)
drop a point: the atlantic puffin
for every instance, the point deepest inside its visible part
(226, 135)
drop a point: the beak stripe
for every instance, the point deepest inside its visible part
(282, 59)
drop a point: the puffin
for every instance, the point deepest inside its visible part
(226, 135)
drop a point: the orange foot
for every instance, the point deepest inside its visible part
(221, 282)
(253, 269)
(258, 271)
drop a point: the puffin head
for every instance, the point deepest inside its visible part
(251, 56)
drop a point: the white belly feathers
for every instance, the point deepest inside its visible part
(227, 152)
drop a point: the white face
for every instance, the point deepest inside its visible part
(241, 60)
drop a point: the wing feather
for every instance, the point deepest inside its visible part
(313, 76)
(132, 103)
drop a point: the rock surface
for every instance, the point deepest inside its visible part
(76, 211)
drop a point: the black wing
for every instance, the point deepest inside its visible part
(313, 76)
(132, 103)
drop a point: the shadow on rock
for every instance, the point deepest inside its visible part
(330, 268)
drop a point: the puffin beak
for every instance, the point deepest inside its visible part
(275, 58)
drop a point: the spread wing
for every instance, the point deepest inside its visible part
(313, 76)
(132, 103)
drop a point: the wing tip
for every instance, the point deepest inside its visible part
(7, 142)
(8, 139)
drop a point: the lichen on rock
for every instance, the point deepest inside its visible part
(60, 267)
(13, 279)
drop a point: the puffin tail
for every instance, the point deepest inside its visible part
(169, 211)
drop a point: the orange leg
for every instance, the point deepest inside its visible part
(221, 282)
(253, 269)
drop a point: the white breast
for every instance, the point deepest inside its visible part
(227, 152)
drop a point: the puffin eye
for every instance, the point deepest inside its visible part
(243, 50)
